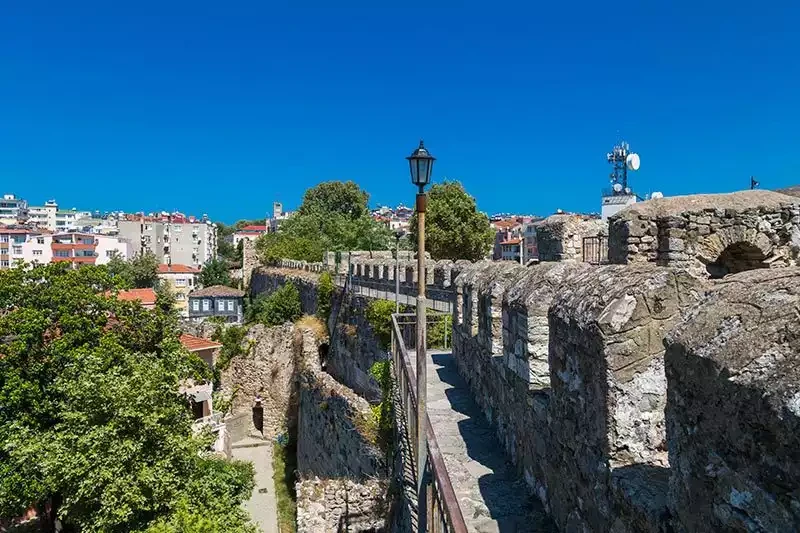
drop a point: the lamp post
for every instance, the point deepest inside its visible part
(398, 234)
(421, 163)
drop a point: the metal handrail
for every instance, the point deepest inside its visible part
(442, 510)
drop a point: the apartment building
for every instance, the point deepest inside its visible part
(12, 209)
(12, 241)
(51, 217)
(84, 248)
(182, 279)
(176, 239)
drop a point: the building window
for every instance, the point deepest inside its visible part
(62, 253)
(180, 296)
(37, 252)
(17, 249)
(206, 305)
(40, 240)
(230, 305)
(180, 282)
(220, 305)
(4, 263)
(195, 305)
(191, 282)
(3, 238)
(87, 241)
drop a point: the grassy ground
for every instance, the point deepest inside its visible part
(284, 464)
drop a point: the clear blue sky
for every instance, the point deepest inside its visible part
(223, 107)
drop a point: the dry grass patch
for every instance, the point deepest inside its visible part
(314, 324)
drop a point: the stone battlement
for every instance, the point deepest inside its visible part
(567, 361)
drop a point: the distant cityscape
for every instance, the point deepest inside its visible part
(47, 233)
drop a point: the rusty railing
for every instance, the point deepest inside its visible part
(437, 506)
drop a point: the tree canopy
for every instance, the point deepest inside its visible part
(140, 272)
(454, 228)
(92, 421)
(335, 198)
(214, 272)
(334, 216)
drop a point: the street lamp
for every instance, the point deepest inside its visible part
(421, 164)
(398, 234)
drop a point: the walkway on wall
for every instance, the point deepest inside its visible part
(492, 497)
(379, 290)
(262, 505)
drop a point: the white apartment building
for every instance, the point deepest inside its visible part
(51, 217)
(12, 209)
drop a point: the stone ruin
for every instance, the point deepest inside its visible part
(709, 234)
(560, 237)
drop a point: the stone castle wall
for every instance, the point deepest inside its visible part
(266, 280)
(341, 505)
(266, 371)
(567, 361)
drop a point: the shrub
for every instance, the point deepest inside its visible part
(231, 338)
(279, 307)
(324, 296)
(379, 315)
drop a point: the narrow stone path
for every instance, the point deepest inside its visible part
(492, 497)
(261, 505)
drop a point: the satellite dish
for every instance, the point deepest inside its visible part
(617, 187)
(627, 190)
(632, 161)
(656, 195)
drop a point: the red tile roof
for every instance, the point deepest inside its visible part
(194, 344)
(511, 241)
(145, 296)
(177, 269)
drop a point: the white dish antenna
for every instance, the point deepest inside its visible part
(656, 195)
(627, 190)
(617, 187)
(632, 161)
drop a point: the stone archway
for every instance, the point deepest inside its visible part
(737, 257)
(733, 249)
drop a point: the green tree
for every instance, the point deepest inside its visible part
(141, 271)
(279, 307)
(454, 228)
(92, 419)
(335, 197)
(214, 272)
(283, 245)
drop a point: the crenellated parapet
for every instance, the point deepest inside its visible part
(567, 361)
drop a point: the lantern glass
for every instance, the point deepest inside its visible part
(421, 164)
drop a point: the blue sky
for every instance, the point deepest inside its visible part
(223, 107)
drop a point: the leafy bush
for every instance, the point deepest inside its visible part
(325, 296)
(379, 315)
(231, 338)
(279, 307)
(439, 329)
(384, 411)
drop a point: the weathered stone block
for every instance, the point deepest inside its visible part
(608, 385)
(733, 370)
